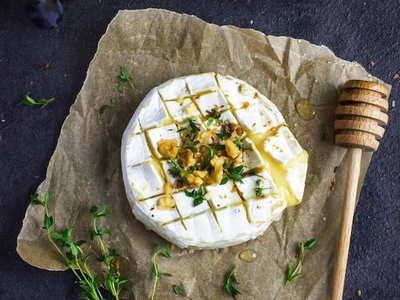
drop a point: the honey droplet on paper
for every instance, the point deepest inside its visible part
(305, 109)
(248, 255)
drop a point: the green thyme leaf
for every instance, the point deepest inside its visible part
(224, 180)
(259, 189)
(35, 200)
(222, 135)
(29, 101)
(177, 289)
(177, 170)
(310, 244)
(198, 196)
(294, 273)
(191, 145)
(124, 78)
(47, 222)
(235, 174)
(231, 282)
(161, 250)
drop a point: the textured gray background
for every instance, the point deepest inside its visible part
(354, 30)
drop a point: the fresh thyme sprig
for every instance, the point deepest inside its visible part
(112, 281)
(76, 260)
(294, 273)
(124, 78)
(235, 173)
(231, 282)
(223, 135)
(177, 170)
(161, 250)
(191, 145)
(259, 189)
(198, 196)
(213, 116)
(29, 101)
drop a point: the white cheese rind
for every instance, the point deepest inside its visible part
(199, 227)
(209, 101)
(220, 196)
(186, 207)
(144, 181)
(173, 89)
(181, 110)
(150, 208)
(137, 150)
(282, 146)
(251, 156)
(248, 187)
(265, 210)
(296, 178)
(201, 83)
(153, 112)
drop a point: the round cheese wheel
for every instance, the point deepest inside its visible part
(208, 162)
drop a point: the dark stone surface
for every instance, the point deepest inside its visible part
(354, 30)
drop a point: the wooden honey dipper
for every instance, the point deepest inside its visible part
(360, 121)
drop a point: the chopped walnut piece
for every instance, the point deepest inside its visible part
(255, 96)
(167, 188)
(187, 159)
(242, 88)
(193, 180)
(238, 160)
(201, 174)
(396, 76)
(168, 148)
(217, 162)
(231, 149)
(202, 137)
(166, 203)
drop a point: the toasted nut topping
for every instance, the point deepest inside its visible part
(201, 174)
(187, 159)
(217, 162)
(167, 188)
(193, 180)
(168, 148)
(231, 149)
(255, 96)
(166, 203)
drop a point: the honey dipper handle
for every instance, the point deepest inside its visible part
(353, 174)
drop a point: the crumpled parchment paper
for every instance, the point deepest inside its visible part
(157, 45)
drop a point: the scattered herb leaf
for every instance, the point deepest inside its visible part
(213, 116)
(235, 173)
(231, 282)
(259, 189)
(191, 145)
(177, 170)
(114, 103)
(124, 78)
(29, 101)
(198, 196)
(177, 290)
(74, 258)
(163, 251)
(294, 273)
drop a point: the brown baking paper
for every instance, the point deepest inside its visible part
(157, 45)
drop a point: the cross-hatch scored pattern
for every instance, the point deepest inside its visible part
(165, 111)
